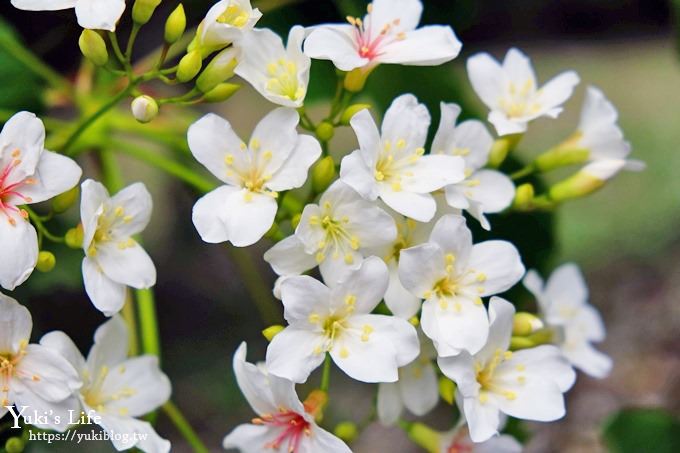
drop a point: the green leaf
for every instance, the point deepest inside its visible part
(642, 430)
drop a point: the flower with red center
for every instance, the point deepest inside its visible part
(284, 423)
(28, 174)
(387, 34)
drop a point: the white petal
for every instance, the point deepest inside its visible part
(249, 216)
(93, 195)
(136, 202)
(43, 5)
(217, 34)
(293, 172)
(335, 43)
(506, 126)
(15, 324)
(589, 360)
(250, 438)
(293, 354)
(18, 249)
(110, 345)
(21, 395)
(288, 257)
(47, 374)
(417, 206)
(106, 295)
(135, 433)
(501, 315)
(62, 344)
(419, 386)
(99, 14)
(322, 440)
(556, 91)
(211, 140)
(366, 286)
(372, 226)
(210, 213)
(408, 120)
(23, 139)
(542, 362)
(253, 383)
(483, 419)
(427, 46)
(499, 444)
(566, 286)
(389, 403)
(472, 135)
(385, 11)
(54, 174)
(368, 135)
(276, 132)
(501, 264)
(399, 300)
(355, 173)
(445, 137)
(455, 324)
(303, 295)
(486, 77)
(420, 268)
(461, 370)
(493, 190)
(453, 236)
(335, 269)
(432, 172)
(517, 67)
(538, 400)
(128, 264)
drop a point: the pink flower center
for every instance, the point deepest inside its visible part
(11, 190)
(369, 41)
(293, 427)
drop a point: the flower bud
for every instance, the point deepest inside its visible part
(15, 445)
(524, 195)
(517, 343)
(351, 111)
(323, 174)
(46, 261)
(221, 92)
(291, 204)
(355, 80)
(576, 186)
(62, 202)
(315, 403)
(175, 25)
(524, 324)
(189, 66)
(346, 431)
(560, 156)
(74, 237)
(143, 10)
(270, 332)
(144, 108)
(220, 69)
(424, 436)
(447, 389)
(325, 131)
(92, 45)
(501, 148)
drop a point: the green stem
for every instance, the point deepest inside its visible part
(146, 308)
(16, 50)
(111, 173)
(116, 49)
(326, 376)
(259, 292)
(131, 42)
(522, 173)
(131, 320)
(170, 166)
(183, 426)
(42, 229)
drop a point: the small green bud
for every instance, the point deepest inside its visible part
(175, 25)
(517, 343)
(524, 195)
(325, 131)
(15, 445)
(143, 10)
(221, 92)
(295, 221)
(74, 237)
(189, 66)
(576, 186)
(351, 111)
(346, 431)
(323, 174)
(46, 261)
(447, 389)
(501, 148)
(524, 324)
(425, 437)
(355, 80)
(220, 69)
(144, 108)
(62, 202)
(92, 45)
(270, 332)
(291, 204)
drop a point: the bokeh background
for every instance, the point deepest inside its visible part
(625, 237)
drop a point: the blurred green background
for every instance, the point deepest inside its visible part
(625, 237)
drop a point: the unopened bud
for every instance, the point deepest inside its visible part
(425, 437)
(15, 445)
(62, 202)
(346, 431)
(517, 343)
(189, 66)
(351, 111)
(175, 25)
(576, 186)
(143, 10)
(355, 80)
(46, 261)
(524, 324)
(74, 237)
(144, 108)
(221, 92)
(447, 389)
(220, 69)
(270, 332)
(325, 131)
(524, 195)
(323, 174)
(92, 45)
(291, 204)
(561, 156)
(501, 148)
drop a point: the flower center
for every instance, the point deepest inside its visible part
(8, 369)
(235, 16)
(97, 399)
(284, 79)
(106, 225)
(293, 428)
(251, 169)
(520, 101)
(370, 42)
(11, 190)
(393, 162)
(487, 379)
(338, 240)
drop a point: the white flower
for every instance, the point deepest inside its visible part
(387, 34)
(336, 234)
(452, 275)
(337, 320)
(276, 159)
(482, 191)
(283, 425)
(28, 174)
(390, 164)
(117, 390)
(417, 388)
(280, 74)
(226, 22)
(92, 14)
(32, 375)
(563, 302)
(458, 440)
(526, 384)
(113, 259)
(511, 92)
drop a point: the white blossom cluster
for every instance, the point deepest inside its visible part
(391, 228)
